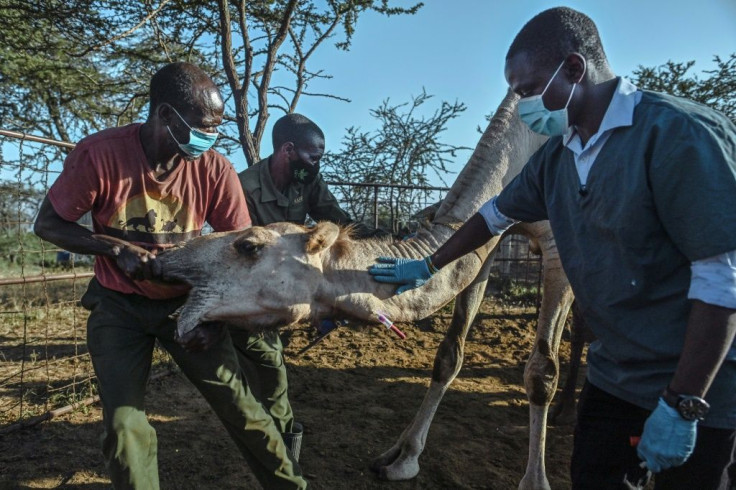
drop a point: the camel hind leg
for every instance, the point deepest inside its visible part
(563, 412)
(401, 461)
(542, 369)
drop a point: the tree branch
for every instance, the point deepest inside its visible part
(125, 34)
(301, 67)
(268, 69)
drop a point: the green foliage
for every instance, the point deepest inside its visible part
(62, 75)
(72, 395)
(73, 67)
(717, 89)
(25, 254)
(19, 202)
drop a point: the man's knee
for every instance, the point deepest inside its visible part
(132, 432)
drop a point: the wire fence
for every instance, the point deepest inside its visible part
(45, 369)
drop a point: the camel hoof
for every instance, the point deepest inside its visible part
(384, 460)
(398, 472)
(395, 465)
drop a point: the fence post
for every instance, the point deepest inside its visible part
(375, 206)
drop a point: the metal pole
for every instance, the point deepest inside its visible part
(42, 278)
(388, 186)
(37, 139)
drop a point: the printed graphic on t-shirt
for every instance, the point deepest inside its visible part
(152, 219)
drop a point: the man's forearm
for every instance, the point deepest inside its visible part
(710, 334)
(67, 234)
(74, 238)
(473, 234)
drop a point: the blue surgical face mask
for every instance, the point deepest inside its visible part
(199, 141)
(540, 119)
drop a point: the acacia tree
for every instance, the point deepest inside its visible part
(264, 48)
(405, 149)
(717, 89)
(73, 67)
(65, 75)
(68, 70)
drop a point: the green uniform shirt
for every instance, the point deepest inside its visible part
(269, 205)
(661, 194)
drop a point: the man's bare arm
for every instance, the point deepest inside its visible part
(135, 261)
(67, 234)
(710, 334)
(471, 235)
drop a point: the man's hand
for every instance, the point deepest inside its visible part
(407, 272)
(136, 262)
(204, 336)
(668, 439)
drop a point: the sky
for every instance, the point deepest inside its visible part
(455, 50)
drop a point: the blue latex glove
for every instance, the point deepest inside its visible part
(668, 439)
(409, 273)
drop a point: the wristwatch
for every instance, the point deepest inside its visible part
(689, 407)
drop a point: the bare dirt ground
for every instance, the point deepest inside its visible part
(355, 392)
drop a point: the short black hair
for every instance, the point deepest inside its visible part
(555, 33)
(296, 128)
(175, 84)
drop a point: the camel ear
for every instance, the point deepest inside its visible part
(322, 237)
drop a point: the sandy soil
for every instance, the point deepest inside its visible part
(354, 392)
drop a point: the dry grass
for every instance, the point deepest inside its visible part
(355, 393)
(44, 363)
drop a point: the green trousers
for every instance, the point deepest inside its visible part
(121, 333)
(262, 360)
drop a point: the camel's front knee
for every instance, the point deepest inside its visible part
(541, 375)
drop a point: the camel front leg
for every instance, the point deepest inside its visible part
(401, 462)
(542, 369)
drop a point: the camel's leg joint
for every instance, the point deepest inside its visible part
(541, 374)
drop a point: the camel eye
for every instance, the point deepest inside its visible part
(247, 248)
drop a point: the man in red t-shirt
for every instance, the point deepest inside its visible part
(150, 186)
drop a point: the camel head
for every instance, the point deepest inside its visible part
(276, 275)
(262, 277)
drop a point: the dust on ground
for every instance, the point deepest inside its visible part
(355, 393)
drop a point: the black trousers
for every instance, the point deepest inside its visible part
(604, 452)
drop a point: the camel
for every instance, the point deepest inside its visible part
(284, 273)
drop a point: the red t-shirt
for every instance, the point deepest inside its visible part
(108, 174)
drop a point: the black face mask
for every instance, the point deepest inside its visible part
(303, 172)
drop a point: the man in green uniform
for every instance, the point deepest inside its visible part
(640, 191)
(286, 186)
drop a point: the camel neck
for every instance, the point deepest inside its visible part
(505, 147)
